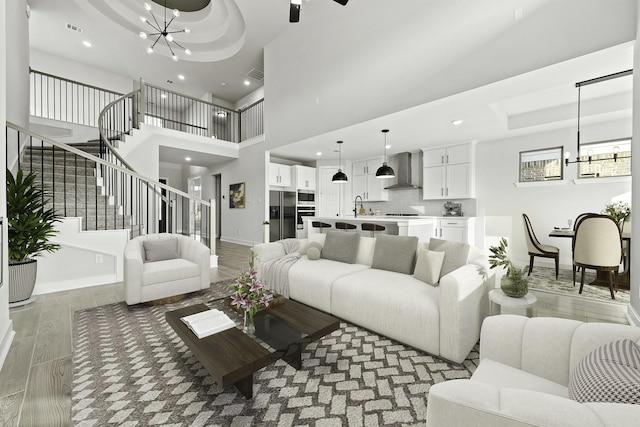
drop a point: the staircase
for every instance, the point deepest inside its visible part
(75, 188)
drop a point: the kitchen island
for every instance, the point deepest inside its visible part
(421, 226)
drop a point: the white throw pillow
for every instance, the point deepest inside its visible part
(428, 266)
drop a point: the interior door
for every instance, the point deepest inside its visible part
(329, 193)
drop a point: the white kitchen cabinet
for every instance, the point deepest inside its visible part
(455, 229)
(365, 183)
(305, 177)
(448, 172)
(279, 175)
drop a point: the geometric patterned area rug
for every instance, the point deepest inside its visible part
(544, 279)
(131, 369)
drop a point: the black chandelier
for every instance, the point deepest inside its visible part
(162, 31)
(615, 150)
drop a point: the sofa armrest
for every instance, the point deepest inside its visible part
(133, 272)
(463, 306)
(199, 254)
(468, 402)
(266, 252)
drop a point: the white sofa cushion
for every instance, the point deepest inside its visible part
(504, 376)
(392, 304)
(168, 271)
(310, 281)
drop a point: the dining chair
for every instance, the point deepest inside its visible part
(597, 244)
(575, 268)
(538, 249)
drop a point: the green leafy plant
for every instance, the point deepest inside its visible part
(499, 258)
(30, 223)
(619, 211)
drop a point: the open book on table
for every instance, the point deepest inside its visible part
(208, 322)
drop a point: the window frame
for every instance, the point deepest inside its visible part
(584, 158)
(560, 160)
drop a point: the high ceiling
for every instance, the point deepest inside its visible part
(226, 39)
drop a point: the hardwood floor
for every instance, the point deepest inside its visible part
(35, 380)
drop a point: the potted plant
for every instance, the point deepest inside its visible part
(30, 226)
(512, 283)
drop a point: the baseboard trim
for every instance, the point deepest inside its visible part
(632, 316)
(67, 285)
(5, 342)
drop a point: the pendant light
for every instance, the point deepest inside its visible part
(339, 177)
(385, 171)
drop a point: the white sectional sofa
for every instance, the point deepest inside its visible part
(442, 320)
(524, 377)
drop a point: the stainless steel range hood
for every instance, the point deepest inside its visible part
(403, 173)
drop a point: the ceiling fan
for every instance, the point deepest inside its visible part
(294, 9)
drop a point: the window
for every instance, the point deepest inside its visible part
(541, 165)
(602, 158)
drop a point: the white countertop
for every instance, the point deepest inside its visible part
(385, 218)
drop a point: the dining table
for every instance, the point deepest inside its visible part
(624, 278)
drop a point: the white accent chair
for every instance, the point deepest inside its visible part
(523, 377)
(149, 281)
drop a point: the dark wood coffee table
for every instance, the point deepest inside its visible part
(232, 357)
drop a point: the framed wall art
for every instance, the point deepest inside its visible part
(236, 195)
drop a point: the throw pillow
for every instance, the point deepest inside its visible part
(313, 253)
(610, 373)
(314, 245)
(341, 246)
(455, 254)
(428, 266)
(160, 250)
(395, 253)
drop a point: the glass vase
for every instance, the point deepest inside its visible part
(516, 288)
(249, 327)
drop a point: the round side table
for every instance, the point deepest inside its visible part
(497, 296)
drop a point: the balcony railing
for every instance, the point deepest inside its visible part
(58, 98)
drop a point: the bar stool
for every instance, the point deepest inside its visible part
(345, 226)
(368, 226)
(320, 225)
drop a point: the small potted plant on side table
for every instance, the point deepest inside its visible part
(512, 283)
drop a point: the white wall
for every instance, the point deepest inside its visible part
(62, 67)
(548, 205)
(634, 306)
(6, 327)
(254, 96)
(244, 226)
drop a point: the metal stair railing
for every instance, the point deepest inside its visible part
(143, 202)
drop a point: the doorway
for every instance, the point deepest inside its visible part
(330, 193)
(195, 209)
(217, 196)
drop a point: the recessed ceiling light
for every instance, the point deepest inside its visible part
(247, 82)
(318, 153)
(188, 159)
(86, 43)
(223, 84)
(181, 76)
(456, 122)
(387, 146)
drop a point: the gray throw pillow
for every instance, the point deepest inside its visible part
(395, 253)
(160, 250)
(455, 254)
(341, 246)
(610, 373)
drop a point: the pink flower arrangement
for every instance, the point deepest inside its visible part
(250, 293)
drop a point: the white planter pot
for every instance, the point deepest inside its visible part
(22, 280)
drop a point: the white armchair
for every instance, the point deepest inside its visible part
(523, 377)
(184, 266)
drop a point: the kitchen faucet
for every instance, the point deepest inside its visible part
(355, 206)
